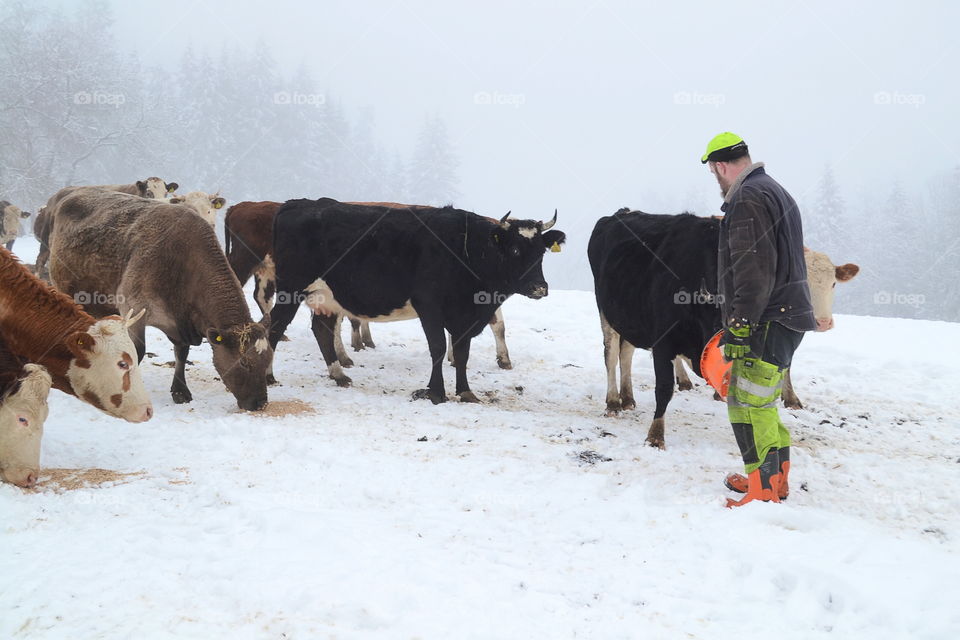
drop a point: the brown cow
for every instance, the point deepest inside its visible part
(87, 358)
(248, 230)
(126, 252)
(23, 409)
(151, 188)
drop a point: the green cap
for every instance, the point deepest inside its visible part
(724, 146)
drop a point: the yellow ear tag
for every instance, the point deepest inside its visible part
(218, 205)
(555, 248)
(80, 342)
(170, 189)
(219, 338)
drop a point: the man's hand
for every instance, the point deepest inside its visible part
(736, 340)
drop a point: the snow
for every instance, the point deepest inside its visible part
(346, 523)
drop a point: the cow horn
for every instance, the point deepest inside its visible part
(503, 220)
(131, 319)
(553, 221)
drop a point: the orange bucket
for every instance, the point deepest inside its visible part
(715, 370)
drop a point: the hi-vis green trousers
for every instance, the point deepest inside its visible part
(755, 385)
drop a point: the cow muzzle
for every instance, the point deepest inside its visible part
(537, 291)
(824, 324)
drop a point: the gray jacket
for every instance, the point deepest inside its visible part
(762, 272)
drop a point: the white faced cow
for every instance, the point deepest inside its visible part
(23, 409)
(204, 204)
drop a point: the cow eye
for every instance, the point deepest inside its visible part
(514, 251)
(24, 421)
(834, 285)
(123, 365)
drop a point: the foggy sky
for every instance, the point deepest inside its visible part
(598, 105)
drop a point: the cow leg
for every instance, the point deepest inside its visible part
(41, 265)
(626, 375)
(500, 337)
(790, 399)
(611, 358)
(365, 334)
(433, 330)
(179, 390)
(683, 380)
(280, 317)
(323, 330)
(663, 371)
(342, 356)
(356, 341)
(461, 351)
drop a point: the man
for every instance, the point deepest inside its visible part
(766, 308)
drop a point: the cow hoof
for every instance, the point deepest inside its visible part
(370, 345)
(656, 443)
(468, 396)
(793, 404)
(426, 394)
(343, 382)
(284, 338)
(716, 396)
(628, 405)
(613, 409)
(686, 385)
(504, 364)
(271, 380)
(345, 362)
(181, 397)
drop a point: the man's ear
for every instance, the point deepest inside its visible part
(80, 344)
(553, 239)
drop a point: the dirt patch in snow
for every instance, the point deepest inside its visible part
(281, 408)
(72, 479)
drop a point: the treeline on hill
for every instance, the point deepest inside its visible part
(76, 109)
(907, 246)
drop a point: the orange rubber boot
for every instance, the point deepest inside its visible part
(738, 482)
(763, 483)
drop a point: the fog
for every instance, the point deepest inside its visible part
(580, 107)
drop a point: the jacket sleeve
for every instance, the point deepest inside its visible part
(753, 255)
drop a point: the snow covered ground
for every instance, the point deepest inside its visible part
(378, 517)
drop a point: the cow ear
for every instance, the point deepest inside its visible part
(81, 344)
(214, 337)
(218, 202)
(497, 236)
(172, 186)
(553, 239)
(847, 271)
(141, 186)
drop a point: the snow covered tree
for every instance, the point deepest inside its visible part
(433, 169)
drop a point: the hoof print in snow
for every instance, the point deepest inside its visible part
(590, 457)
(519, 390)
(150, 354)
(422, 439)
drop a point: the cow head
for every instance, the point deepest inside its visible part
(520, 247)
(103, 370)
(23, 409)
(242, 356)
(823, 276)
(156, 189)
(204, 204)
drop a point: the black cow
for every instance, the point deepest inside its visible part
(451, 268)
(651, 275)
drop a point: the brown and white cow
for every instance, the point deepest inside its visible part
(248, 230)
(151, 188)
(822, 277)
(10, 216)
(204, 204)
(24, 389)
(88, 358)
(136, 253)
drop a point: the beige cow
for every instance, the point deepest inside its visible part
(23, 409)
